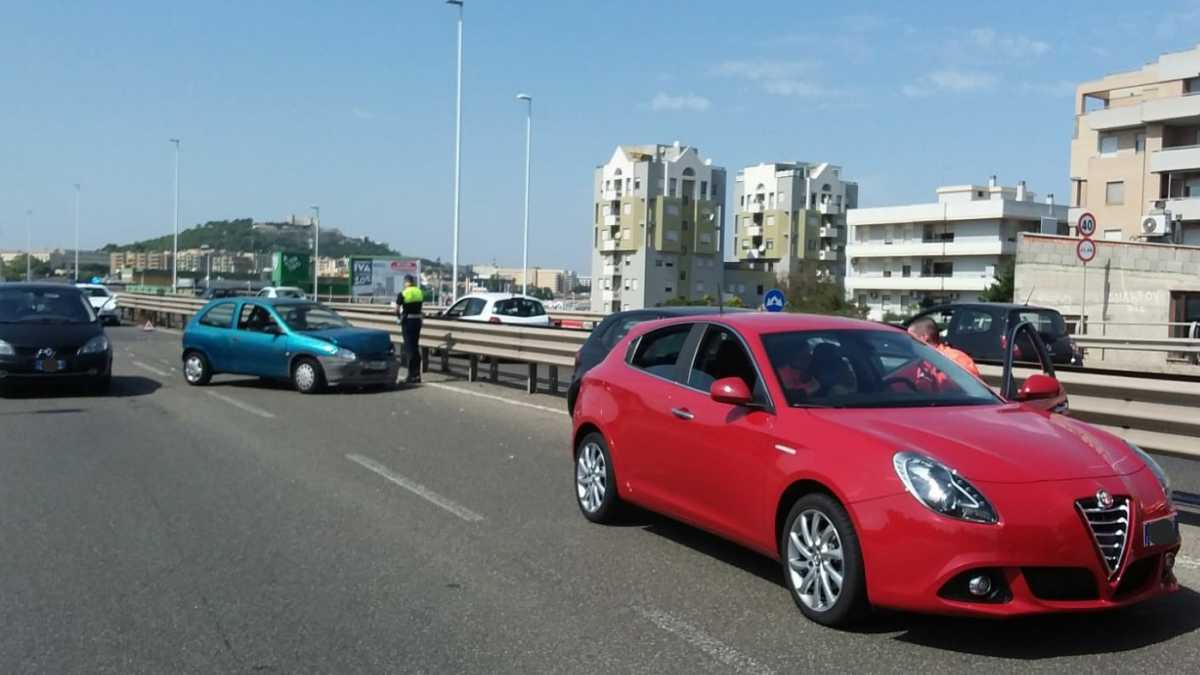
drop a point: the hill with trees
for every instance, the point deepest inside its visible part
(243, 234)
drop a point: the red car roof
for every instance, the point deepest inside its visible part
(758, 323)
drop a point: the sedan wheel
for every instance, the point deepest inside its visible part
(595, 485)
(195, 369)
(307, 377)
(822, 561)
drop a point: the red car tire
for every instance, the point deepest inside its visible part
(595, 483)
(815, 554)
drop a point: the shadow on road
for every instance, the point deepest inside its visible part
(705, 543)
(1052, 636)
(123, 386)
(281, 385)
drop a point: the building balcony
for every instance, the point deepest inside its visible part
(918, 283)
(753, 230)
(610, 295)
(613, 245)
(754, 207)
(829, 232)
(612, 220)
(611, 195)
(829, 255)
(916, 249)
(828, 208)
(610, 270)
(1183, 158)
(1187, 208)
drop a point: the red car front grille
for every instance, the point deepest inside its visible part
(1109, 527)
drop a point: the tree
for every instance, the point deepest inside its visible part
(809, 292)
(1002, 289)
(541, 293)
(15, 270)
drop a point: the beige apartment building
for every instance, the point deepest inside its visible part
(656, 227)
(789, 215)
(1135, 155)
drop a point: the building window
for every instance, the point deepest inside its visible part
(1114, 193)
(770, 220)
(628, 261)
(887, 274)
(906, 271)
(812, 244)
(745, 244)
(672, 183)
(670, 263)
(627, 208)
(943, 269)
(635, 284)
(658, 263)
(627, 281)
(683, 275)
(759, 290)
(699, 286)
(703, 189)
(770, 244)
(1191, 85)
(1112, 235)
(1108, 144)
(1139, 143)
(668, 289)
(685, 225)
(637, 183)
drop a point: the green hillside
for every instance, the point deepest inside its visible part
(241, 235)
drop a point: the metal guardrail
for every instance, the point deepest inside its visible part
(1157, 414)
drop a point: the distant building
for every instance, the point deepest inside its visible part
(656, 233)
(1135, 154)
(789, 215)
(902, 257)
(559, 281)
(140, 260)
(9, 255)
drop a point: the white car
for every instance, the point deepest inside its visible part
(282, 292)
(104, 302)
(499, 308)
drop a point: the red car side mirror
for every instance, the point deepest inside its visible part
(731, 390)
(1039, 387)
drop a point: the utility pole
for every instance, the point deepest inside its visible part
(77, 233)
(525, 237)
(175, 246)
(457, 153)
(316, 250)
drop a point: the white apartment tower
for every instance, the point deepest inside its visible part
(789, 214)
(656, 227)
(902, 257)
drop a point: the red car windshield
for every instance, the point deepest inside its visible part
(868, 369)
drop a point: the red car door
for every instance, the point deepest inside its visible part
(647, 402)
(718, 454)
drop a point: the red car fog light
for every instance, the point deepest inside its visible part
(979, 585)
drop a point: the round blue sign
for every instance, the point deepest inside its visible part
(774, 301)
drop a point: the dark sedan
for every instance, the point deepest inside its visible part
(614, 327)
(49, 332)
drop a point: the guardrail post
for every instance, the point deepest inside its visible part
(531, 381)
(424, 359)
(493, 370)
(445, 360)
(473, 369)
(554, 380)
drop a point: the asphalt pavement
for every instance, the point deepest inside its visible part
(242, 527)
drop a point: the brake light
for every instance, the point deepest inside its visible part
(494, 319)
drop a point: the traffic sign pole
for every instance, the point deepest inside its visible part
(1085, 250)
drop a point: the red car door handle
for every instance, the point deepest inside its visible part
(682, 413)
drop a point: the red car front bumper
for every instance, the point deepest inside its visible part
(1042, 553)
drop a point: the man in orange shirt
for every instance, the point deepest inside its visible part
(926, 330)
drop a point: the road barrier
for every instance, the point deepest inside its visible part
(1155, 412)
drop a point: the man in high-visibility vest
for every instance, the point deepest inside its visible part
(408, 310)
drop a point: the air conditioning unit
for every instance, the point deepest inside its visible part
(1156, 225)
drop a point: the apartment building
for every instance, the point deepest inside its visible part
(559, 281)
(1135, 154)
(902, 257)
(657, 227)
(788, 215)
(140, 260)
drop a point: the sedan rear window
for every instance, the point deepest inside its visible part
(218, 316)
(658, 351)
(519, 307)
(1047, 321)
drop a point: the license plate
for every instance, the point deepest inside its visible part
(1161, 532)
(375, 365)
(50, 366)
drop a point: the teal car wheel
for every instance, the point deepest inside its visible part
(307, 376)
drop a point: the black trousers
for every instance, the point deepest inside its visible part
(410, 328)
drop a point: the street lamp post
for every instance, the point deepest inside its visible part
(29, 245)
(525, 238)
(175, 245)
(316, 250)
(77, 233)
(457, 153)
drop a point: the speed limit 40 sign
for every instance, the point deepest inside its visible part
(1086, 225)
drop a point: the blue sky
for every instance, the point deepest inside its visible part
(350, 105)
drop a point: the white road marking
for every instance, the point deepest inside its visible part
(786, 449)
(493, 397)
(244, 406)
(150, 368)
(416, 488)
(703, 641)
(1190, 563)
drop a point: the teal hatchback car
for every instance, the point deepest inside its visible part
(285, 339)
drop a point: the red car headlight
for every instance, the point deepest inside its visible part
(941, 489)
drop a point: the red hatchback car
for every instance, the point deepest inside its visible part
(873, 468)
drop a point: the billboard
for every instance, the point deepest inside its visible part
(291, 269)
(381, 277)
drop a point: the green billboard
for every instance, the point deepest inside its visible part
(291, 269)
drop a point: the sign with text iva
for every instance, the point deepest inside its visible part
(1086, 250)
(381, 277)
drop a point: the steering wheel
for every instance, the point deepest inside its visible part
(896, 379)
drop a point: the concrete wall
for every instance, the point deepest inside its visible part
(1127, 282)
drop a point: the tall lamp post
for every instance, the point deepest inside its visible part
(77, 233)
(457, 153)
(175, 245)
(29, 245)
(525, 237)
(316, 249)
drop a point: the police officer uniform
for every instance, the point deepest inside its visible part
(408, 307)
